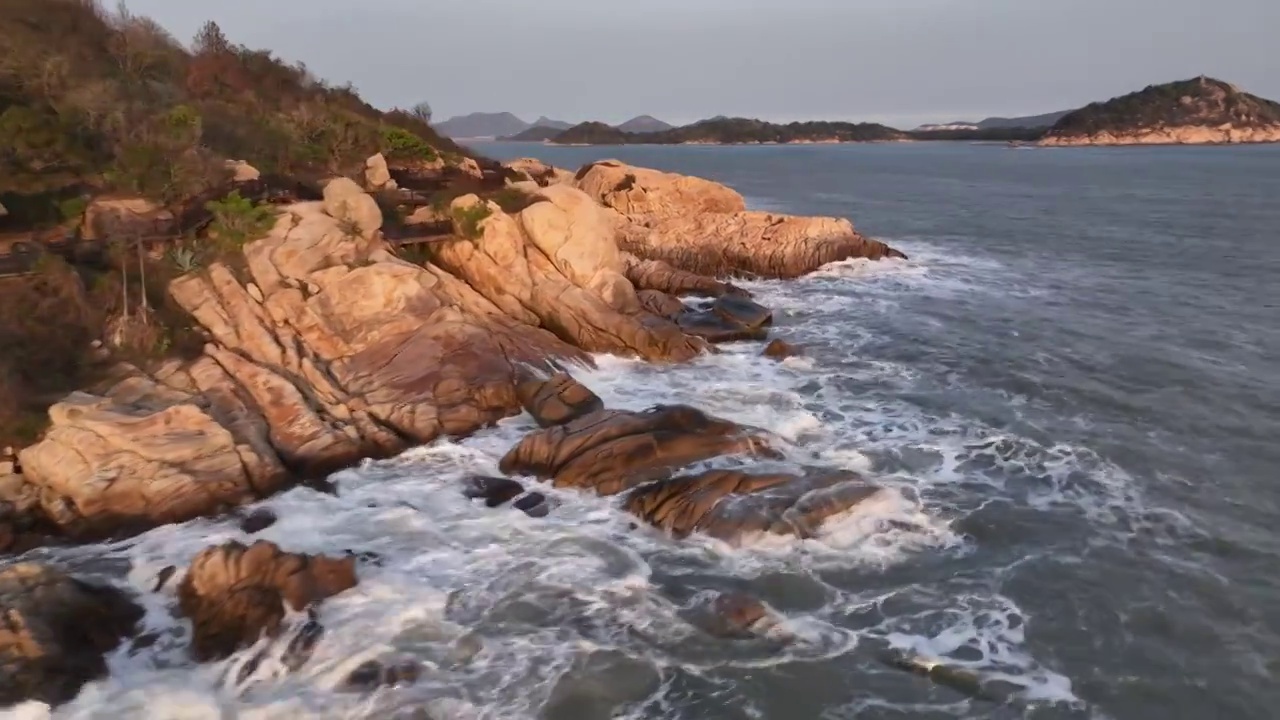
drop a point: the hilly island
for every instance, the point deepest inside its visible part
(1197, 111)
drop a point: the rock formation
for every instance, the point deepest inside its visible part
(731, 505)
(704, 228)
(235, 594)
(54, 632)
(610, 451)
(324, 347)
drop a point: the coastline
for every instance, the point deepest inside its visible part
(325, 346)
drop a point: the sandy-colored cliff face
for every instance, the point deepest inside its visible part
(1198, 135)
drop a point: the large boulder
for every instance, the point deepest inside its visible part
(55, 631)
(749, 244)
(610, 451)
(555, 265)
(641, 193)
(142, 454)
(538, 172)
(662, 277)
(557, 400)
(235, 594)
(376, 174)
(701, 227)
(731, 505)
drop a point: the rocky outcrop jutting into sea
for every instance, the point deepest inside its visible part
(325, 347)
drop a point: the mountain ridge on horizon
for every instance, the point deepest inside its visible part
(506, 124)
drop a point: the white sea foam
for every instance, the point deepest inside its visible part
(508, 613)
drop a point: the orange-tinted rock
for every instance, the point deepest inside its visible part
(54, 632)
(729, 504)
(658, 275)
(557, 400)
(781, 349)
(612, 450)
(661, 304)
(234, 594)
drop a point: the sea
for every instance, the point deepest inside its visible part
(1071, 390)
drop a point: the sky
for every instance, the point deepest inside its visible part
(901, 62)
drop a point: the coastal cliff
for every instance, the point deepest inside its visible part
(1191, 112)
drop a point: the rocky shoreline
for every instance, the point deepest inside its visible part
(1192, 135)
(324, 348)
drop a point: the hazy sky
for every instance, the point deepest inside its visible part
(898, 61)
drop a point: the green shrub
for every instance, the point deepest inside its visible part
(403, 145)
(237, 220)
(468, 219)
(73, 208)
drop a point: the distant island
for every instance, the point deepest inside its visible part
(491, 125)
(507, 126)
(1197, 111)
(723, 131)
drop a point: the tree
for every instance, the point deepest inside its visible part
(210, 40)
(421, 111)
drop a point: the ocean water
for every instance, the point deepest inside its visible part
(1072, 390)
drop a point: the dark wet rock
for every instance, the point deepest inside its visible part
(728, 504)
(54, 632)
(302, 645)
(234, 594)
(557, 400)
(495, 490)
(371, 675)
(735, 615)
(742, 311)
(257, 521)
(961, 679)
(610, 451)
(534, 505)
(365, 556)
(144, 641)
(714, 328)
(162, 578)
(781, 350)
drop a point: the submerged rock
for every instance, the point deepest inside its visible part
(612, 450)
(54, 632)
(371, 675)
(494, 490)
(257, 521)
(234, 594)
(781, 350)
(729, 505)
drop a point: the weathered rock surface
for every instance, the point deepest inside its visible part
(242, 172)
(235, 594)
(143, 454)
(376, 174)
(54, 632)
(750, 243)
(730, 505)
(641, 193)
(557, 400)
(532, 169)
(610, 451)
(551, 265)
(778, 349)
(660, 276)
(703, 227)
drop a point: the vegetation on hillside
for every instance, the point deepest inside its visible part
(731, 131)
(1200, 101)
(95, 102)
(111, 101)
